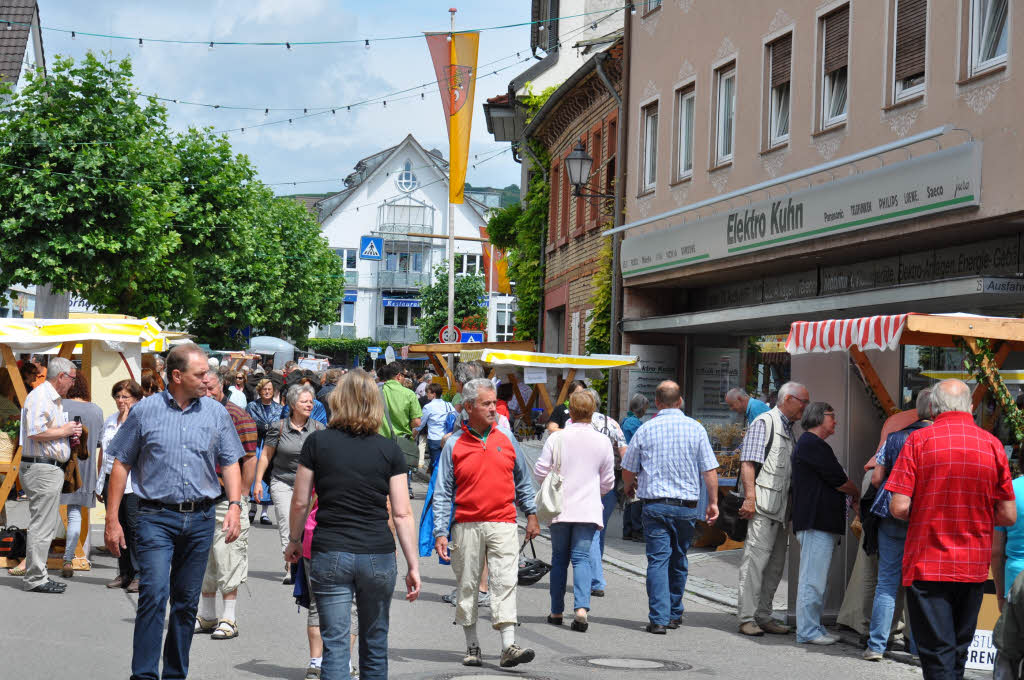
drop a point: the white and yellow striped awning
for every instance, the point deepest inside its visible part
(43, 335)
(541, 360)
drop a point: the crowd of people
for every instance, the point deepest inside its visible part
(195, 449)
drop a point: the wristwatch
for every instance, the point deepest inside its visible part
(238, 503)
(292, 539)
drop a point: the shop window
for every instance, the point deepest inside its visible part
(401, 316)
(910, 40)
(649, 148)
(686, 100)
(779, 62)
(725, 131)
(989, 34)
(835, 41)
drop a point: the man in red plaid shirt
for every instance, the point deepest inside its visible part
(952, 482)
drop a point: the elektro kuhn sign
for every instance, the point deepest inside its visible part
(944, 180)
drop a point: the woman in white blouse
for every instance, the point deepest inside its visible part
(126, 393)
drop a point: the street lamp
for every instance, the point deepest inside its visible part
(578, 164)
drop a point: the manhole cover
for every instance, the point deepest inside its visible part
(627, 663)
(488, 676)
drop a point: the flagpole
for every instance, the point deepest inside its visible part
(451, 206)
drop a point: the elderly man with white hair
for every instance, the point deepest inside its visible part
(765, 464)
(952, 482)
(482, 476)
(46, 444)
(742, 403)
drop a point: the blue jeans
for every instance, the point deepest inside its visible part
(571, 541)
(816, 549)
(337, 578)
(73, 533)
(173, 548)
(609, 501)
(434, 449)
(892, 534)
(632, 521)
(668, 530)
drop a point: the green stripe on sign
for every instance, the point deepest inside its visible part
(854, 223)
(671, 263)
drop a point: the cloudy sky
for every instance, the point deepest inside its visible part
(319, 147)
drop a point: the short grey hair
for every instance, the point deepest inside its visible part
(467, 371)
(58, 365)
(296, 391)
(788, 389)
(814, 414)
(950, 395)
(638, 404)
(736, 393)
(596, 397)
(924, 404)
(472, 389)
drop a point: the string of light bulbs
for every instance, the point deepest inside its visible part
(289, 44)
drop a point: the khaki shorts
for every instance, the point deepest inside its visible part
(472, 544)
(228, 565)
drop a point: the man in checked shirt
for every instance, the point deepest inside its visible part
(765, 475)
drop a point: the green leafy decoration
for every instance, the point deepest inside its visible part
(469, 294)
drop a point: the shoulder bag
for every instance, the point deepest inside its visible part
(409, 448)
(729, 519)
(12, 542)
(549, 498)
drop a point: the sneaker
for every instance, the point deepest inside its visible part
(824, 640)
(312, 673)
(483, 600)
(513, 655)
(265, 519)
(774, 627)
(473, 657)
(451, 598)
(871, 655)
(67, 570)
(752, 629)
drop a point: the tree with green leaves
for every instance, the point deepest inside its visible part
(469, 307)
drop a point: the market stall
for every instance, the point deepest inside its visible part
(109, 348)
(437, 351)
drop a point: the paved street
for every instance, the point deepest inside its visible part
(89, 628)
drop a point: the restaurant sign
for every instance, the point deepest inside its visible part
(944, 180)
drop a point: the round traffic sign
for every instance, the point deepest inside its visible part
(450, 334)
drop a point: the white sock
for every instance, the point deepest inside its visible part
(316, 661)
(208, 607)
(471, 638)
(508, 635)
(229, 610)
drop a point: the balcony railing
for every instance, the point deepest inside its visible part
(386, 279)
(402, 334)
(335, 330)
(351, 278)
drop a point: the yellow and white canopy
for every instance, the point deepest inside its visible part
(542, 360)
(47, 335)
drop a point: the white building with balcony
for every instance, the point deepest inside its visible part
(400, 194)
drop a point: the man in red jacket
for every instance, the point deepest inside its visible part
(483, 472)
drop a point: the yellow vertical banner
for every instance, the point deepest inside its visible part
(454, 56)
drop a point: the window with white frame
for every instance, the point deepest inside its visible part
(402, 261)
(910, 42)
(348, 257)
(348, 313)
(989, 36)
(401, 316)
(686, 100)
(504, 322)
(779, 60)
(835, 49)
(649, 147)
(406, 180)
(725, 119)
(467, 264)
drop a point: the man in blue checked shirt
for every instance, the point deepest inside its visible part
(664, 464)
(174, 443)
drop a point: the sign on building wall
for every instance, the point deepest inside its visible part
(716, 370)
(656, 363)
(944, 180)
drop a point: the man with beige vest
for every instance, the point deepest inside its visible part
(765, 476)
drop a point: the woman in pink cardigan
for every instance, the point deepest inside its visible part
(588, 472)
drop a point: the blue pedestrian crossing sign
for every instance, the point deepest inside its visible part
(371, 248)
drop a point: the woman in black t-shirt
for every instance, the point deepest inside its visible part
(560, 414)
(355, 472)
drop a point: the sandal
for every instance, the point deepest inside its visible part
(16, 571)
(204, 626)
(225, 630)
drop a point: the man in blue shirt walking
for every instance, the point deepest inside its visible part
(174, 443)
(738, 400)
(665, 463)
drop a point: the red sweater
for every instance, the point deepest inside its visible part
(485, 489)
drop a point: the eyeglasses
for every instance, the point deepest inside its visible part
(805, 402)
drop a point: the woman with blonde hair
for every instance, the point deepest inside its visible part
(355, 472)
(583, 457)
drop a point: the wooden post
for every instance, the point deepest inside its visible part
(541, 392)
(445, 369)
(998, 360)
(514, 380)
(10, 470)
(873, 381)
(66, 350)
(11, 365)
(562, 393)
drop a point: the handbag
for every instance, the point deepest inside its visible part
(549, 498)
(729, 519)
(531, 569)
(13, 542)
(409, 448)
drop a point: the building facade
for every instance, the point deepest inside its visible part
(399, 195)
(893, 123)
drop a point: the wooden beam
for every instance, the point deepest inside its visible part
(456, 347)
(968, 326)
(874, 382)
(514, 381)
(445, 370)
(998, 360)
(541, 392)
(66, 350)
(445, 236)
(435, 364)
(11, 364)
(564, 392)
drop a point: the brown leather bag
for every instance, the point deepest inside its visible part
(72, 477)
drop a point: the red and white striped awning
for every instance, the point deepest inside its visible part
(834, 335)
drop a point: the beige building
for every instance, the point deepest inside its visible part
(894, 124)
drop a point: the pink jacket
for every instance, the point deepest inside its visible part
(588, 472)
